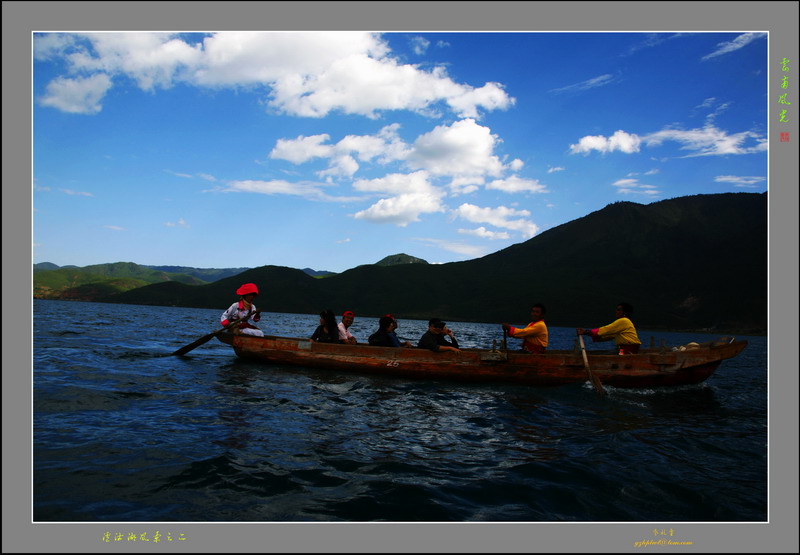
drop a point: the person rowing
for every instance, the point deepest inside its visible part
(620, 330)
(534, 335)
(243, 310)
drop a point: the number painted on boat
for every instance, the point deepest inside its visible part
(393, 363)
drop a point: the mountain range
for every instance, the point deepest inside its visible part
(689, 263)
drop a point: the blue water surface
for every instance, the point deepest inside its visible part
(124, 432)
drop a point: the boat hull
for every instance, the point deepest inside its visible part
(649, 368)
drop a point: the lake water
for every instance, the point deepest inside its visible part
(123, 432)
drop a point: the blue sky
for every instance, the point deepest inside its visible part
(327, 150)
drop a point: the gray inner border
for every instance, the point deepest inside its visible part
(20, 19)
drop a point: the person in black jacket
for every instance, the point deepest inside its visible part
(328, 329)
(434, 338)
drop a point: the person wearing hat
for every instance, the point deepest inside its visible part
(243, 309)
(534, 335)
(344, 333)
(434, 338)
(620, 330)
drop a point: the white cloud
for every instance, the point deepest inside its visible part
(514, 184)
(516, 165)
(499, 217)
(303, 73)
(453, 246)
(307, 190)
(710, 141)
(733, 45)
(342, 241)
(420, 45)
(461, 149)
(413, 195)
(114, 227)
(485, 233)
(77, 96)
(620, 140)
(180, 223)
(739, 180)
(633, 187)
(185, 175)
(651, 40)
(302, 149)
(401, 210)
(592, 83)
(76, 193)
(651, 172)
(556, 169)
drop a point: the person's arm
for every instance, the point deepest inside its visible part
(428, 341)
(453, 339)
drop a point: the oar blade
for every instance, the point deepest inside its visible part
(594, 379)
(195, 344)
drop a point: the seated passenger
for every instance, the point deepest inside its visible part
(327, 331)
(434, 339)
(344, 333)
(386, 336)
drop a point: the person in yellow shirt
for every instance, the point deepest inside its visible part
(534, 335)
(620, 330)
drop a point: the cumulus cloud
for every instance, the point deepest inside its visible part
(501, 217)
(412, 195)
(402, 209)
(515, 184)
(708, 141)
(620, 140)
(307, 74)
(78, 95)
(730, 46)
(484, 233)
(461, 149)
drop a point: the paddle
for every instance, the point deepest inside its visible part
(595, 380)
(207, 338)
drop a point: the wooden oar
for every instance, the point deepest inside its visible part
(595, 380)
(209, 337)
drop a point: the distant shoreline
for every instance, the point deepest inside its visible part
(654, 328)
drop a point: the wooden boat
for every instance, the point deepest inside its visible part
(651, 367)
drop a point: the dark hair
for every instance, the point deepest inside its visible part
(330, 320)
(627, 309)
(385, 322)
(540, 305)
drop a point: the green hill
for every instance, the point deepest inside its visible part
(696, 262)
(91, 283)
(397, 259)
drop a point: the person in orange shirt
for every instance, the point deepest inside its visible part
(534, 335)
(620, 330)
